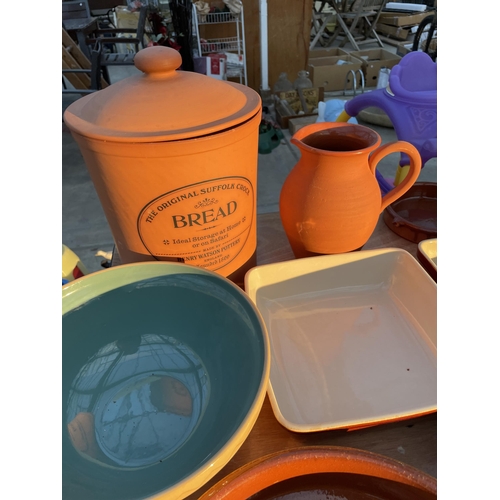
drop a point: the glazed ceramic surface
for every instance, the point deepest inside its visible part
(325, 473)
(331, 201)
(427, 255)
(165, 369)
(173, 158)
(353, 338)
(414, 215)
(428, 248)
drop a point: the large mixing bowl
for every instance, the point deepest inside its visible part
(165, 369)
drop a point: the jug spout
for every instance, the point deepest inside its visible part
(303, 132)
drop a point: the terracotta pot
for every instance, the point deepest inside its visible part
(331, 201)
(326, 472)
(173, 157)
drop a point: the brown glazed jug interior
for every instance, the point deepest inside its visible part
(341, 140)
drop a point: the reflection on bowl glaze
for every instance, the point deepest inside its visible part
(134, 403)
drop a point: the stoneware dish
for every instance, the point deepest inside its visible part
(325, 473)
(165, 369)
(353, 338)
(428, 257)
(414, 215)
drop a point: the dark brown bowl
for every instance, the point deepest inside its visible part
(325, 472)
(414, 215)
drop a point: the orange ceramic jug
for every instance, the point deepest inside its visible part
(331, 201)
(173, 158)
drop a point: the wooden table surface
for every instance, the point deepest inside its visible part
(413, 441)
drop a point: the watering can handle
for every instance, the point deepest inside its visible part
(411, 177)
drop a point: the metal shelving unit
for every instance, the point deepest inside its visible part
(233, 45)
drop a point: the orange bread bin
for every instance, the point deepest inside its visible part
(173, 158)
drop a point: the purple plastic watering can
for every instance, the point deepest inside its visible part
(410, 102)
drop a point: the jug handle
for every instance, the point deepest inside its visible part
(411, 177)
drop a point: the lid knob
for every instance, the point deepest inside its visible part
(157, 60)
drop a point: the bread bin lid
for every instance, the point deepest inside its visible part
(162, 103)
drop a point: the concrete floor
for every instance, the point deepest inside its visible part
(85, 229)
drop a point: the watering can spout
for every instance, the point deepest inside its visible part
(343, 117)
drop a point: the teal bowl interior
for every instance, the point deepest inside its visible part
(158, 375)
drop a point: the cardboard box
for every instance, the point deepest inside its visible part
(398, 19)
(404, 48)
(124, 18)
(283, 120)
(295, 124)
(373, 60)
(328, 52)
(311, 96)
(333, 73)
(398, 32)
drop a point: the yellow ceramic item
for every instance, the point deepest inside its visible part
(72, 266)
